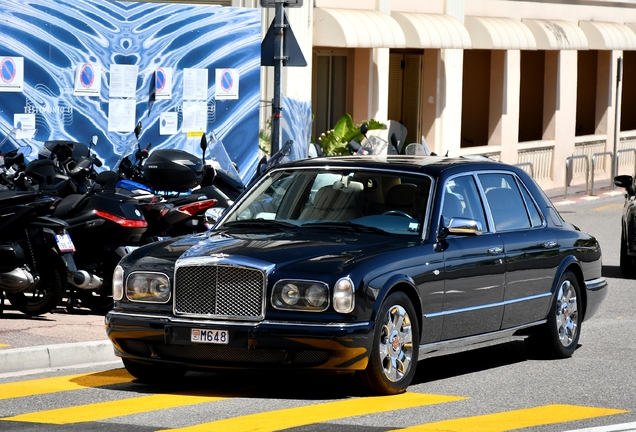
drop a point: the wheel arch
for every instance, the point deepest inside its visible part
(572, 264)
(405, 284)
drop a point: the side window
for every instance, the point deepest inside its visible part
(505, 201)
(535, 215)
(461, 199)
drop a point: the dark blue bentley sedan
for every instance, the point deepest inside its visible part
(360, 264)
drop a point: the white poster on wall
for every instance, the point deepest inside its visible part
(168, 123)
(195, 116)
(195, 84)
(123, 80)
(121, 115)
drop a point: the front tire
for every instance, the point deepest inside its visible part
(394, 355)
(560, 335)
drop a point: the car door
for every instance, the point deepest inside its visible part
(473, 265)
(531, 248)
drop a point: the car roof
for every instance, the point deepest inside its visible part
(433, 165)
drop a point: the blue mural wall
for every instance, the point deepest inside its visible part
(55, 38)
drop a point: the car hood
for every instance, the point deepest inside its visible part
(303, 250)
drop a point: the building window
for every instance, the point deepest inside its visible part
(329, 89)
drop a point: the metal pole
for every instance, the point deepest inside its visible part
(619, 77)
(277, 109)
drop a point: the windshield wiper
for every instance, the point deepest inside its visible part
(348, 225)
(260, 222)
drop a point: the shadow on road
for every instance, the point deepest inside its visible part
(612, 272)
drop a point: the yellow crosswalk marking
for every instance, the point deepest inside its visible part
(4, 345)
(510, 420)
(300, 416)
(117, 408)
(63, 383)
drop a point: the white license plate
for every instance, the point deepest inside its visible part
(210, 336)
(64, 243)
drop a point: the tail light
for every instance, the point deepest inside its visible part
(197, 207)
(128, 223)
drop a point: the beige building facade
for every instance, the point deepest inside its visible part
(532, 83)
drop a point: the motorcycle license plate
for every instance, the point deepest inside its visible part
(210, 336)
(64, 243)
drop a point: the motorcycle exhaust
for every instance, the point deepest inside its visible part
(85, 280)
(17, 280)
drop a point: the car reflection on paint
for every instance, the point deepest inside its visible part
(327, 264)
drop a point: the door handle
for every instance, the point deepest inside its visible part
(550, 244)
(495, 250)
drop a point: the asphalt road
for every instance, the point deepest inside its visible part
(490, 389)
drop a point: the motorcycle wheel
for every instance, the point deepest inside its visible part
(46, 295)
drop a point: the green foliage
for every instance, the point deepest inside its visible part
(334, 142)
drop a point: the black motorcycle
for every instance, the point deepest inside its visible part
(36, 253)
(105, 225)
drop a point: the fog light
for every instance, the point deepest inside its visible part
(118, 283)
(343, 300)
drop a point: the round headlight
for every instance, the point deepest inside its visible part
(159, 289)
(316, 295)
(290, 294)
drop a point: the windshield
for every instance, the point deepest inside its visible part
(327, 199)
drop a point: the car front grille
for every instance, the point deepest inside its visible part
(220, 291)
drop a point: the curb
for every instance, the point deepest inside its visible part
(55, 356)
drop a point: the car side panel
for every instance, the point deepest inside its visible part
(532, 259)
(474, 285)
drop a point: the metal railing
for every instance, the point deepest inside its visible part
(568, 172)
(606, 153)
(528, 164)
(617, 159)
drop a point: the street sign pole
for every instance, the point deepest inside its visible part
(286, 52)
(277, 108)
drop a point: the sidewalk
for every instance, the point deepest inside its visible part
(54, 340)
(62, 339)
(577, 193)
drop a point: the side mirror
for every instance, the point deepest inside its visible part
(204, 143)
(138, 130)
(626, 182)
(460, 226)
(364, 128)
(212, 215)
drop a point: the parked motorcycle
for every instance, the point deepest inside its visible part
(36, 253)
(186, 183)
(104, 224)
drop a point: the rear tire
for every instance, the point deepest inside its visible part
(559, 337)
(626, 262)
(394, 354)
(46, 295)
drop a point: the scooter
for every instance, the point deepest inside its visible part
(104, 224)
(36, 253)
